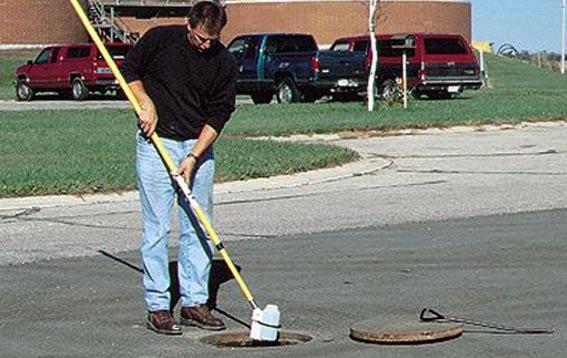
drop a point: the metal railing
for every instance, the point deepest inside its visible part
(108, 26)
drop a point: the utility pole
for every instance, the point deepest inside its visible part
(563, 5)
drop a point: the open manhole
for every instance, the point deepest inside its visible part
(241, 339)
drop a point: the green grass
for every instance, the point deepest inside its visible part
(244, 159)
(51, 152)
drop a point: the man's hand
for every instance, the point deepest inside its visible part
(186, 168)
(206, 139)
(148, 118)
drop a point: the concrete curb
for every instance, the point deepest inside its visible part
(360, 167)
(365, 166)
(350, 135)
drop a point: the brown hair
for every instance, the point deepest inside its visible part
(209, 14)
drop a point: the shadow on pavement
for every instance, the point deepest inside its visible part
(220, 274)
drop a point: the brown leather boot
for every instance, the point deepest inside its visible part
(163, 322)
(200, 316)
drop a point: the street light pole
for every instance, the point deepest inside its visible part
(563, 5)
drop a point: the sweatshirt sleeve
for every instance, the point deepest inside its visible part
(136, 63)
(222, 102)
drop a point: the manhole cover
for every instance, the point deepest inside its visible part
(403, 330)
(242, 340)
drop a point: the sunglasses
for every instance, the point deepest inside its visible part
(200, 39)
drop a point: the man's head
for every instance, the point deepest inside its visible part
(205, 21)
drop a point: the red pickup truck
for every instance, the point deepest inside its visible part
(438, 65)
(74, 70)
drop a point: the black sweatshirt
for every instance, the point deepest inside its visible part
(189, 88)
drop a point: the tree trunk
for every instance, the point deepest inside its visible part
(373, 4)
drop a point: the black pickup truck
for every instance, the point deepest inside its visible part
(283, 64)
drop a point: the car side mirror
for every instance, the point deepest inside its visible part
(30, 62)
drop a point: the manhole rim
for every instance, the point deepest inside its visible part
(304, 338)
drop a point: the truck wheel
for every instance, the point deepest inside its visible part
(23, 91)
(288, 92)
(79, 90)
(262, 97)
(390, 91)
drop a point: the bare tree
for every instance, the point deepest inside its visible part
(373, 16)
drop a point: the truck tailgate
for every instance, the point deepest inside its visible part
(342, 65)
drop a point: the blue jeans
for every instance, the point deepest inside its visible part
(157, 195)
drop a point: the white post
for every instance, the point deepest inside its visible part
(405, 78)
(482, 73)
(374, 64)
(563, 5)
(481, 55)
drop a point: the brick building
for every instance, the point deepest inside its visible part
(35, 22)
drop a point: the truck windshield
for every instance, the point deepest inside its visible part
(117, 52)
(340, 47)
(43, 57)
(358, 46)
(444, 46)
(237, 47)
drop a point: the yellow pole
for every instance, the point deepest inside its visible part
(171, 167)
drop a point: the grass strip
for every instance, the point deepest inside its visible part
(75, 152)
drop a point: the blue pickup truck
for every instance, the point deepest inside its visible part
(283, 64)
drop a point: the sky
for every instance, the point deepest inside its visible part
(532, 25)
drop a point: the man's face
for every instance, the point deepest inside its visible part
(200, 38)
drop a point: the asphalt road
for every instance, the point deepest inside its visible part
(469, 222)
(502, 269)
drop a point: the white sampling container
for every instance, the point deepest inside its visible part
(265, 323)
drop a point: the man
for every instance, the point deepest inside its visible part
(184, 79)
